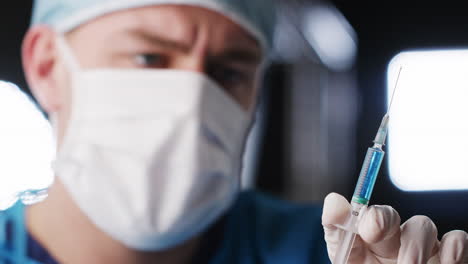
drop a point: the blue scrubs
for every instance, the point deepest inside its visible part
(257, 229)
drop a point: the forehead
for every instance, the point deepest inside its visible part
(178, 23)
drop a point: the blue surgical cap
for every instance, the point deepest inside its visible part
(256, 16)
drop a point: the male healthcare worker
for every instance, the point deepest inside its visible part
(151, 101)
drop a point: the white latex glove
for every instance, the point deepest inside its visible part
(382, 240)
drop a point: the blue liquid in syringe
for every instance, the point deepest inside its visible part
(368, 175)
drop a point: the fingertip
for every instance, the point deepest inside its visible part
(419, 241)
(333, 198)
(379, 223)
(453, 247)
(455, 234)
(335, 209)
(370, 228)
(422, 223)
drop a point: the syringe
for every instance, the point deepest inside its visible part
(364, 187)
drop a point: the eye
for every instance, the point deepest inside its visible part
(238, 82)
(149, 60)
(228, 76)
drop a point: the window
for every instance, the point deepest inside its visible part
(26, 145)
(428, 132)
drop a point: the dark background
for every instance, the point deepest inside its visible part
(384, 28)
(14, 21)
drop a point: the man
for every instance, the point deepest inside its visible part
(151, 101)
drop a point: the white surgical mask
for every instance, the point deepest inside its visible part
(152, 157)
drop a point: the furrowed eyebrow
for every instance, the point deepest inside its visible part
(241, 55)
(234, 54)
(160, 40)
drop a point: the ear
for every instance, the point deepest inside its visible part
(40, 60)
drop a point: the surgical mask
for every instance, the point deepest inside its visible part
(151, 157)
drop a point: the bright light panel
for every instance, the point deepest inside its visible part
(428, 130)
(26, 145)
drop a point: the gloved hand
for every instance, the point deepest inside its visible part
(382, 240)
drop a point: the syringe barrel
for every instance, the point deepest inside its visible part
(368, 175)
(350, 229)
